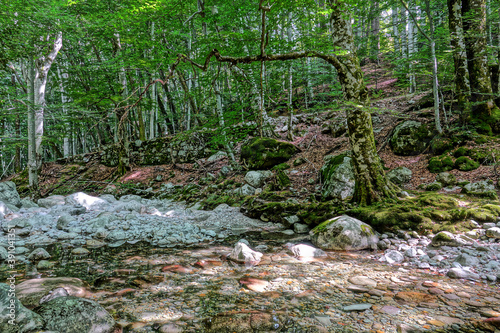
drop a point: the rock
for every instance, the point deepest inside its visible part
(435, 186)
(410, 138)
(493, 232)
(4, 209)
(399, 175)
(8, 193)
(362, 280)
(217, 156)
(337, 176)
(80, 251)
(16, 223)
(244, 254)
(39, 254)
(51, 201)
(4, 255)
(484, 188)
(357, 307)
(393, 257)
(254, 284)
(245, 190)
(64, 221)
(225, 170)
(257, 178)
(344, 233)
(72, 314)
(264, 153)
(45, 264)
(85, 200)
(460, 273)
(290, 220)
(467, 260)
(445, 238)
(59, 292)
(30, 292)
(14, 317)
(305, 251)
(446, 178)
(301, 228)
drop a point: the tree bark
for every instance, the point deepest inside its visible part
(457, 40)
(474, 14)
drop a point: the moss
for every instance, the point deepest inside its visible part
(464, 163)
(482, 215)
(440, 145)
(436, 186)
(331, 165)
(495, 209)
(441, 163)
(264, 153)
(462, 151)
(437, 201)
(439, 215)
(283, 179)
(282, 166)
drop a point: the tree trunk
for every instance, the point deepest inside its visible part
(39, 74)
(462, 84)
(371, 183)
(474, 14)
(412, 47)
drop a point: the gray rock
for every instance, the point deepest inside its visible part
(301, 228)
(72, 314)
(305, 251)
(399, 175)
(4, 255)
(8, 193)
(51, 201)
(22, 319)
(290, 220)
(467, 260)
(17, 223)
(484, 188)
(357, 307)
(446, 178)
(64, 221)
(493, 232)
(58, 292)
(85, 200)
(39, 254)
(225, 170)
(445, 238)
(344, 233)
(393, 257)
(337, 175)
(460, 273)
(410, 138)
(244, 254)
(217, 156)
(4, 209)
(27, 203)
(245, 190)
(411, 252)
(116, 235)
(257, 178)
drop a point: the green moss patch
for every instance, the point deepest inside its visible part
(464, 163)
(264, 153)
(441, 163)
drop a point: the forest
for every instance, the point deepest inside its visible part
(250, 166)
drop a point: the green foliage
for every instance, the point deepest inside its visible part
(464, 163)
(440, 164)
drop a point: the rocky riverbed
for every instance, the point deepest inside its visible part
(158, 266)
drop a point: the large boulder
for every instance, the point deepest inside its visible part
(399, 175)
(337, 177)
(410, 138)
(446, 238)
(73, 314)
(8, 194)
(344, 233)
(483, 188)
(446, 178)
(257, 178)
(264, 153)
(14, 317)
(244, 254)
(4, 209)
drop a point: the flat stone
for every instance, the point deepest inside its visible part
(362, 280)
(451, 296)
(254, 284)
(449, 320)
(357, 307)
(392, 310)
(357, 289)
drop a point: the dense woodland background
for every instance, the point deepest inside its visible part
(78, 75)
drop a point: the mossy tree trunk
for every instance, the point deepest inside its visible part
(483, 106)
(371, 183)
(457, 41)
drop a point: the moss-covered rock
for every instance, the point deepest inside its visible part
(436, 186)
(399, 175)
(462, 151)
(337, 176)
(440, 164)
(465, 163)
(440, 145)
(264, 153)
(482, 215)
(484, 188)
(410, 138)
(446, 178)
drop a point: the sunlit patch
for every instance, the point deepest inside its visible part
(132, 176)
(170, 213)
